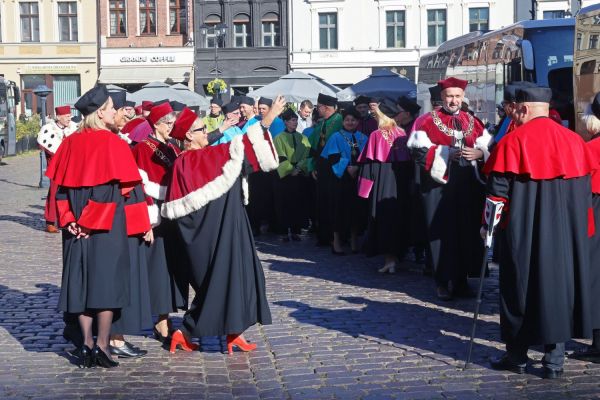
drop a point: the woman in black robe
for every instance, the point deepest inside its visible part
(206, 197)
(385, 173)
(96, 173)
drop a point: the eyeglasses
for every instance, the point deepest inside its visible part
(199, 129)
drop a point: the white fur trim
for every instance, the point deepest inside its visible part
(124, 137)
(245, 190)
(483, 143)
(154, 215)
(440, 164)
(419, 139)
(152, 189)
(214, 189)
(267, 158)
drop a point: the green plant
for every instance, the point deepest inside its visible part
(28, 126)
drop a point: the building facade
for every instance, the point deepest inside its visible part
(253, 50)
(143, 41)
(48, 42)
(344, 41)
(548, 9)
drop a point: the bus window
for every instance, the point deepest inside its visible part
(552, 49)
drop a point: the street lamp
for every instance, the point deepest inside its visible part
(219, 31)
(42, 91)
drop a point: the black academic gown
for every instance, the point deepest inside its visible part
(544, 233)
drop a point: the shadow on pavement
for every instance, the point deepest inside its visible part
(409, 326)
(34, 320)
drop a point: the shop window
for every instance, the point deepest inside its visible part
(241, 30)
(67, 21)
(178, 16)
(30, 22)
(147, 17)
(30, 103)
(118, 17)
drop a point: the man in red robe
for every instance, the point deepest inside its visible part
(541, 172)
(449, 146)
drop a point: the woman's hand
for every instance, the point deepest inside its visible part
(73, 228)
(149, 236)
(470, 154)
(314, 175)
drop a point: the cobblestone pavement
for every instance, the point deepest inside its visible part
(340, 330)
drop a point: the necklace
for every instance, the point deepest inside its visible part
(159, 153)
(451, 132)
(351, 142)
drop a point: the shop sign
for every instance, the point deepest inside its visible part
(49, 69)
(147, 59)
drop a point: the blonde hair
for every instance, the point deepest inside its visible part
(93, 121)
(592, 123)
(384, 123)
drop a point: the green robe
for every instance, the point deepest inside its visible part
(321, 134)
(293, 150)
(213, 123)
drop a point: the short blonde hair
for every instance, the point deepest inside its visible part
(592, 123)
(93, 121)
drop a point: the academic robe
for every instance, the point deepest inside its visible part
(167, 269)
(541, 171)
(96, 173)
(291, 199)
(206, 198)
(349, 209)
(228, 134)
(367, 125)
(594, 147)
(452, 191)
(324, 201)
(385, 172)
(249, 123)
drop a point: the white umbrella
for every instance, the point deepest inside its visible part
(191, 98)
(296, 87)
(155, 91)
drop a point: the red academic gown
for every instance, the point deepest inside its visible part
(96, 175)
(452, 191)
(206, 197)
(166, 268)
(594, 147)
(542, 173)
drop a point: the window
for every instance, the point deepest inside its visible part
(177, 16)
(118, 21)
(552, 14)
(328, 31)
(30, 22)
(67, 21)
(241, 30)
(270, 30)
(579, 40)
(593, 44)
(395, 30)
(436, 27)
(212, 21)
(479, 19)
(147, 17)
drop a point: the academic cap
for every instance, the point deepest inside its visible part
(533, 95)
(92, 100)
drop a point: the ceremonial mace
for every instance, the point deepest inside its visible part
(493, 212)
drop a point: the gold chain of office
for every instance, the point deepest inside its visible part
(450, 132)
(159, 153)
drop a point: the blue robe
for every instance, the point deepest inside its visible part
(228, 135)
(339, 143)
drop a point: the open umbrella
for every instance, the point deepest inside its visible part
(382, 83)
(191, 98)
(296, 87)
(155, 91)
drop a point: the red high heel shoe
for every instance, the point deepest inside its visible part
(238, 340)
(178, 340)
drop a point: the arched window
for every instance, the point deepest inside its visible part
(270, 30)
(211, 21)
(241, 30)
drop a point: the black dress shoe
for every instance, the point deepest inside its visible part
(504, 364)
(588, 354)
(127, 351)
(550, 373)
(101, 359)
(86, 357)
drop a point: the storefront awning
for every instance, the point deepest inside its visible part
(144, 75)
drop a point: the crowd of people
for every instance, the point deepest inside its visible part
(153, 199)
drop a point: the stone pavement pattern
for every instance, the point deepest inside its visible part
(340, 330)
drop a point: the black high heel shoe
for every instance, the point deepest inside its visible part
(158, 336)
(87, 359)
(102, 360)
